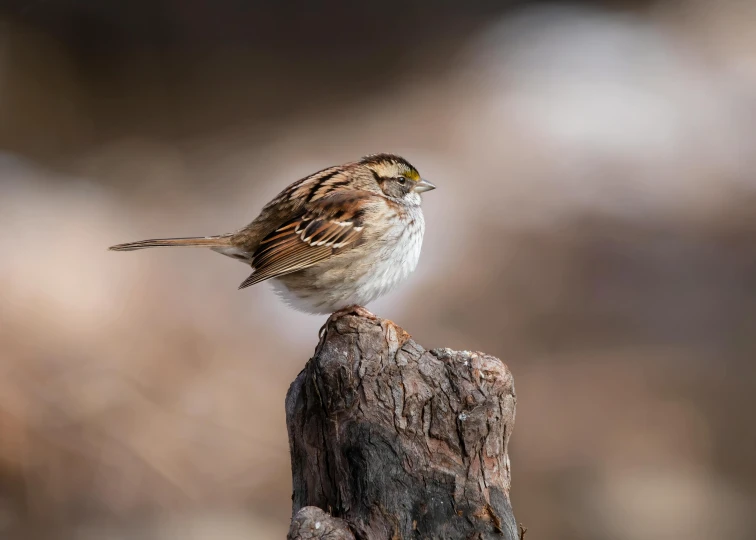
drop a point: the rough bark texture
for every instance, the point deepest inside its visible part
(311, 523)
(400, 442)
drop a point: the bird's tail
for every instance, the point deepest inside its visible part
(195, 241)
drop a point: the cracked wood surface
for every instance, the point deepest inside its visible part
(311, 523)
(398, 442)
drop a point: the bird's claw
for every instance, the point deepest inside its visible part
(349, 310)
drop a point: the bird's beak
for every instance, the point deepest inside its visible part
(423, 185)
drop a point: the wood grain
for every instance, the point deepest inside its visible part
(398, 442)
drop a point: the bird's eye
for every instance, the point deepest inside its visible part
(402, 180)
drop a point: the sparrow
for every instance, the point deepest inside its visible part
(332, 241)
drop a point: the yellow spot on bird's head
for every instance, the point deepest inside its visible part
(391, 166)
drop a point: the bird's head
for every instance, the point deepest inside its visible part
(397, 178)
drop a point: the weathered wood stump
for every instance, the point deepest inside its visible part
(390, 441)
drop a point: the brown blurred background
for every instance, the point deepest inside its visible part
(594, 227)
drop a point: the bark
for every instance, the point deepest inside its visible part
(311, 523)
(396, 442)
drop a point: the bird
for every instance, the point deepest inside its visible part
(332, 241)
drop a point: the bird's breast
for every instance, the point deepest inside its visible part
(361, 274)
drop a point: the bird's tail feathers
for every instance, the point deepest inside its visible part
(195, 241)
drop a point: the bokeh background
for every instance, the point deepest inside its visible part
(594, 227)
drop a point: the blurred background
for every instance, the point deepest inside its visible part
(594, 227)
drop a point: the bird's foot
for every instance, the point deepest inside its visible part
(349, 310)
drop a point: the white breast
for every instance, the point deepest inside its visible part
(357, 276)
(397, 259)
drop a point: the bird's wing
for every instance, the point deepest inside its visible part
(329, 225)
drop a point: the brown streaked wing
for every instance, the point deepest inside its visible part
(333, 223)
(292, 201)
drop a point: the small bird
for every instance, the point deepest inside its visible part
(332, 241)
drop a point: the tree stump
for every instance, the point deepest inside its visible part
(390, 441)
